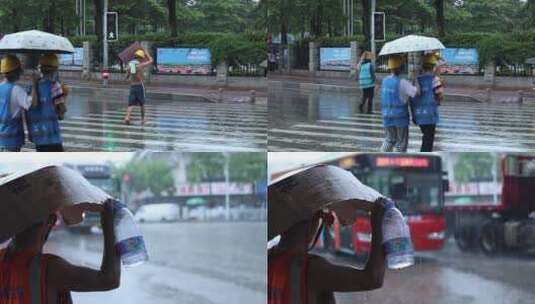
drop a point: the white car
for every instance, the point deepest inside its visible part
(158, 213)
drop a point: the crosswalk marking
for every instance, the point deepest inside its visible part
(182, 127)
(463, 127)
(243, 118)
(167, 126)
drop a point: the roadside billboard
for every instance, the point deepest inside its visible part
(335, 59)
(460, 61)
(188, 61)
(72, 61)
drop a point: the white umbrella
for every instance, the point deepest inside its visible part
(411, 43)
(35, 42)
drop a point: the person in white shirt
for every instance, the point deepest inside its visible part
(13, 100)
(395, 93)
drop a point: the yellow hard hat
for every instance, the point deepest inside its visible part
(394, 62)
(9, 63)
(49, 60)
(140, 54)
(430, 59)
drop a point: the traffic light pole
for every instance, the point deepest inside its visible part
(372, 29)
(104, 36)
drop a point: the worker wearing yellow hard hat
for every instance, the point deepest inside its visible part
(136, 68)
(43, 121)
(13, 101)
(425, 106)
(140, 54)
(395, 93)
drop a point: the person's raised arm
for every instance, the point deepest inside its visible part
(327, 277)
(65, 276)
(147, 62)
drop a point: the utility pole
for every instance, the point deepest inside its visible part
(105, 36)
(80, 12)
(372, 29)
(349, 12)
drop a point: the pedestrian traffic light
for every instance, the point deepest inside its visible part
(112, 26)
(379, 25)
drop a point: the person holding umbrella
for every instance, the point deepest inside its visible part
(424, 107)
(395, 93)
(366, 81)
(13, 101)
(43, 120)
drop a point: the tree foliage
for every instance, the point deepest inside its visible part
(474, 167)
(153, 175)
(243, 167)
(135, 16)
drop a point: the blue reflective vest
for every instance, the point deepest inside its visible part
(43, 125)
(394, 111)
(365, 76)
(11, 130)
(424, 106)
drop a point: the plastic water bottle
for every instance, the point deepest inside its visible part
(396, 238)
(129, 242)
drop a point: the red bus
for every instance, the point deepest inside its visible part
(414, 181)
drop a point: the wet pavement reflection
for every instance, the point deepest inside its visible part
(95, 123)
(332, 122)
(197, 263)
(449, 276)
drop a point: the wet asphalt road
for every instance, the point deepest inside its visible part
(452, 277)
(95, 123)
(332, 122)
(190, 263)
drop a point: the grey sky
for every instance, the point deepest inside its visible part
(12, 162)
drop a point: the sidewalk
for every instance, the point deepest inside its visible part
(230, 95)
(464, 92)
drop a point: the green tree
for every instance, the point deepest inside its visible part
(153, 175)
(243, 167)
(474, 167)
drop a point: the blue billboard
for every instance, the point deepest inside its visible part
(335, 59)
(75, 59)
(460, 61)
(184, 61)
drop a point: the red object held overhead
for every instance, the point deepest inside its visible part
(129, 53)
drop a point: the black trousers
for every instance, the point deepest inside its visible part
(367, 97)
(428, 137)
(50, 148)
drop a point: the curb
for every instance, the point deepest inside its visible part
(308, 87)
(156, 95)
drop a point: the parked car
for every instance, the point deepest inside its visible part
(158, 213)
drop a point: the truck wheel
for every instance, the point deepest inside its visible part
(464, 239)
(491, 239)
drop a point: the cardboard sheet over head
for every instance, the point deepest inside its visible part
(29, 197)
(296, 196)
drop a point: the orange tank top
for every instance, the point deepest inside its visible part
(23, 279)
(287, 282)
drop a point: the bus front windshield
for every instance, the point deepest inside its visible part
(414, 192)
(104, 183)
